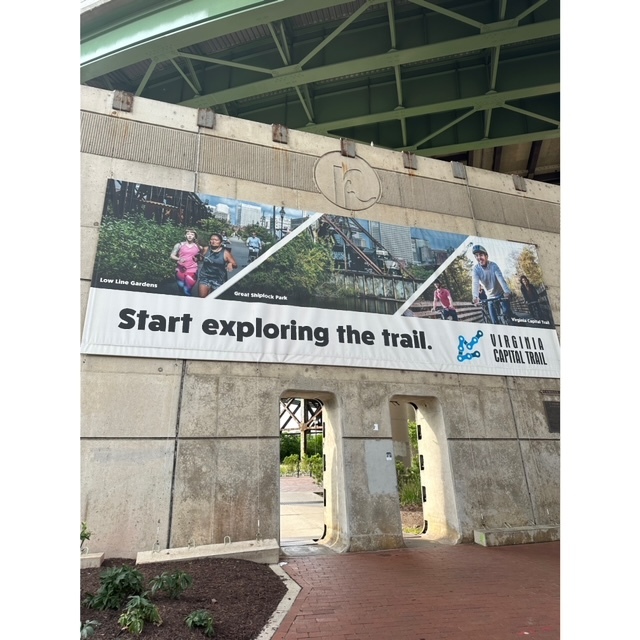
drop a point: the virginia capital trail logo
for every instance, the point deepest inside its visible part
(463, 344)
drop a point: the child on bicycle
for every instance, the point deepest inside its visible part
(443, 296)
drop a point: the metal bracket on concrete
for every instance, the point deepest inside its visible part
(279, 133)
(347, 148)
(410, 161)
(459, 170)
(122, 101)
(206, 118)
(519, 183)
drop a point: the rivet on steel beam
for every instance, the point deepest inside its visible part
(410, 161)
(122, 101)
(459, 170)
(519, 183)
(279, 133)
(347, 148)
(206, 118)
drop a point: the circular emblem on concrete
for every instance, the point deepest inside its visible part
(350, 183)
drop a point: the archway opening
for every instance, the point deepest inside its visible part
(425, 483)
(302, 468)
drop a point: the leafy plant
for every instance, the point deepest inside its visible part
(88, 628)
(201, 619)
(85, 534)
(315, 465)
(136, 248)
(300, 270)
(139, 610)
(290, 464)
(409, 484)
(116, 585)
(289, 445)
(173, 583)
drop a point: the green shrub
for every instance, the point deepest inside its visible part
(173, 584)
(116, 585)
(290, 464)
(208, 226)
(88, 628)
(139, 610)
(409, 484)
(85, 534)
(314, 445)
(289, 445)
(137, 248)
(314, 465)
(201, 619)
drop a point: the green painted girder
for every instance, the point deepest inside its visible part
(174, 25)
(486, 143)
(292, 76)
(491, 100)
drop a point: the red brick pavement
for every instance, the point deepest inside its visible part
(436, 592)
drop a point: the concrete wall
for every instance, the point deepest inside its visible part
(186, 452)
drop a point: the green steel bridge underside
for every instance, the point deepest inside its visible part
(473, 81)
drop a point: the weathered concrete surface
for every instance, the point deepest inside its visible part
(261, 551)
(515, 535)
(179, 453)
(91, 560)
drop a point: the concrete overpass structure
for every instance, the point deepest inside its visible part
(170, 457)
(477, 82)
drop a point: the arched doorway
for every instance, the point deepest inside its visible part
(441, 523)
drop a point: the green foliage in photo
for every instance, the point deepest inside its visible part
(208, 226)
(134, 248)
(457, 278)
(525, 263)
(300, 269)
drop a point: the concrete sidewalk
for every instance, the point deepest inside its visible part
(301, 511)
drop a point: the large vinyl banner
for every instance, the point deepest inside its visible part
(191, 275)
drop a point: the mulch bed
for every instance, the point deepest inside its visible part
(241, 596)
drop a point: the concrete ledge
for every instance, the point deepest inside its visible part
(516, 535)
(263, 552)
(293, 589)
(91, 560)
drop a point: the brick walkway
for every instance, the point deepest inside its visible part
(434, 592)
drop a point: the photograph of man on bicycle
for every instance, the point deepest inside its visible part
(489, 275)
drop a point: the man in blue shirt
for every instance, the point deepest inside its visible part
(488, 274)
(255, 246)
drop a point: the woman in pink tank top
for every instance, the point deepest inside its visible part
(187, 254)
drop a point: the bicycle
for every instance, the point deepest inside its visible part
(499, 307)
(448, 314)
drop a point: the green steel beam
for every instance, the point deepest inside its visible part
(449, 14)
(436, 133)
(177, 25)
(292, 76)
(338, 30)
(487, 101)
(486, 143)
(531, 114)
